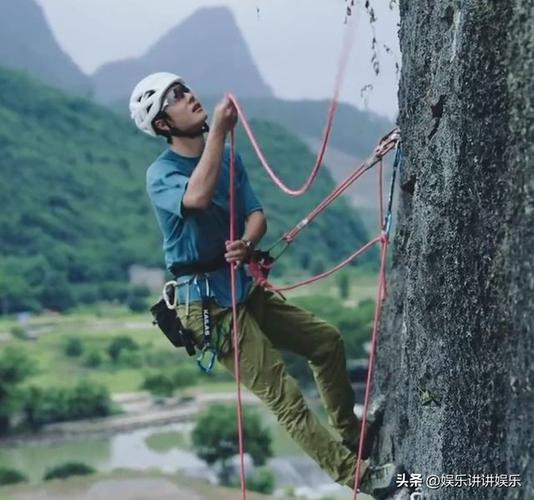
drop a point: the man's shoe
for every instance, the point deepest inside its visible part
(380, 481)
(373, 424)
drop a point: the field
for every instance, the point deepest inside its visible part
(127, 484)
(49, 333)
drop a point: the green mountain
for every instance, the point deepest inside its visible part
(27, 43)
(75, 213)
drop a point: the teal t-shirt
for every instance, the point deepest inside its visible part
(198, 236)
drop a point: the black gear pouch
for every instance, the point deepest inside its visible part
(170, 324)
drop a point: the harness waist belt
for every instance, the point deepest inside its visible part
(197, 268)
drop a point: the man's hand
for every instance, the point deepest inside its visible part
(203, 180)
(236, 251)
(224, 116)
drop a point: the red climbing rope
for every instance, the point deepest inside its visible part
(376, 321)
(234, 319)
(347, 45)
(308, 281)
(385, 145)
(389, 142)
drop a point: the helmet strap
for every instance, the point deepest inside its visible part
(176, 132)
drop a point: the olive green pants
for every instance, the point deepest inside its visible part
(266, 324)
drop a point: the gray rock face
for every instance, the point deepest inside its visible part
(456, 348)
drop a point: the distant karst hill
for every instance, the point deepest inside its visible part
(207, 48)
(27, 43)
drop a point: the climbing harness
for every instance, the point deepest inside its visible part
(166, 317)
(198, 275)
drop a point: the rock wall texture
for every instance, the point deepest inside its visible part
(455, 356)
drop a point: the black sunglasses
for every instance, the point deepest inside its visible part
(175, 94)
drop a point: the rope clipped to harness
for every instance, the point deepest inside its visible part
(261, 266)
(260, 269)
(235, 323)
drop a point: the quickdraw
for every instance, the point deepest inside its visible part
(262, 262)
(166, 317)
(207, 350)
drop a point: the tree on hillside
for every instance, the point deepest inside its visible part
(215, 437)
(456, 347)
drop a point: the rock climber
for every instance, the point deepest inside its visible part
(188, 185)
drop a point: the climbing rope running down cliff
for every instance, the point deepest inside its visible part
(260, 268)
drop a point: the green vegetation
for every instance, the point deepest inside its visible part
(85, 400)
(76, 216)
(73, 347)
(215, 437)
(186, 375)
(15, 368)
(93, 359)
(68, 469)
(282, 444)
(343, 282)
(120, 344)
(166, 383)
(18, 332)
(11, 476)
(159, 384)
(98, 328)
(262, 480)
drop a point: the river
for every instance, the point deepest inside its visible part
(164, 448)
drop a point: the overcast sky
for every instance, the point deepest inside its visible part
(293, 42)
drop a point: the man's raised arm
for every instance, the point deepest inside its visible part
(203, 180)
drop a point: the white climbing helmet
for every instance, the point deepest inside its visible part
(145, 101)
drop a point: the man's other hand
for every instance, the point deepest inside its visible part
(236, 251)
(224, 116)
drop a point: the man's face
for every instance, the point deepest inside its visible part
(185, 111)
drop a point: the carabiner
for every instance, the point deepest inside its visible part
(200, 359)
(172, 284)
